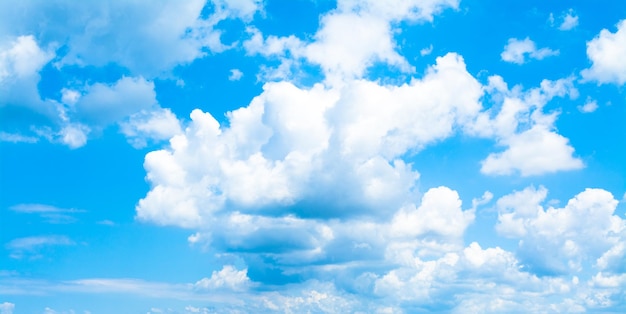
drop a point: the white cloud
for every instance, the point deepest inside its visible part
(426, 51)
(156, 125)
(30, 246)
(74, 135)
(21, 59)
(48, 310)
(242, 9)
(561, 240)
(589, 106)
(570, 20)
(50, 213)
(516, 51)
(227, 278)
(533, 152)
(17, 138)
(348, 43)
(350, 39)
(235, 75)
(103, 104)
(396, 10)
(440, 213)
(148, 39)
(605, 52)
(7, 308)
(533, 146)
(273, 152)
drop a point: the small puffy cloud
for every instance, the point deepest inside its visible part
(74, 135)
(228, 278)
(30, 246)
(150, 125)
(589, 106)
(235, 75)
(570, 20)
(426, 51)
(606, 53)
(517, 51)
(7, 308)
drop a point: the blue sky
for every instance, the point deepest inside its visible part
(401, 156)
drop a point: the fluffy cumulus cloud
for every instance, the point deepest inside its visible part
(517, 51)
(605, 52)
(311, 189)
(292, 146)
(564, 240)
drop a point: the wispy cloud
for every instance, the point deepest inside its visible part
(17, 138)
(31, 246)
(51, 214)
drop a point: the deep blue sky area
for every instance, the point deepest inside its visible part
(350, 156)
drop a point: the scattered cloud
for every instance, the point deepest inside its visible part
(605, 52)
(31, 246)
(426, 51)
(589, 106)
(7, 308)
(17, 138)
(51, 214)
(228, 278)
(517, 51)
(570, 20)
(106, 222)
(235, 75)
